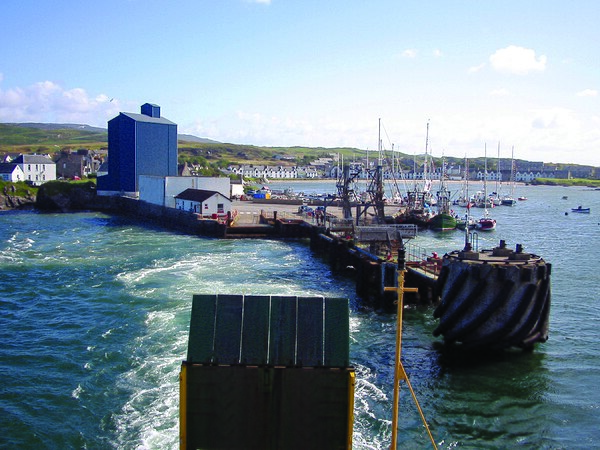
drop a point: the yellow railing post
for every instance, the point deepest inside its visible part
(399, 372)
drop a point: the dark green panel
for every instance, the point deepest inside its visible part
(310, 332)
(265, 408)
(228, 330)
(337, 332)
(282, 343)
(227, 407)
(255, 334)
(202, 328)
(316, 406)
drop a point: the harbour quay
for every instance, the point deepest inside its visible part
(372, 273)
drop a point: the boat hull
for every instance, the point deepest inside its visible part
(442, 222)
(486, 225)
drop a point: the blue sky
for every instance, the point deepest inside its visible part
(522, 74)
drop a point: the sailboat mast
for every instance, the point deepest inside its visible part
(485, 196)
(498, 173)
(512, 173)
(379, 144)
(426, 149)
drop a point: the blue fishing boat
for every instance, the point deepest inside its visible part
(580, 209)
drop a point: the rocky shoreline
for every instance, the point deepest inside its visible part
(9, 201)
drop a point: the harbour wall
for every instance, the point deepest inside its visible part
(371, 274)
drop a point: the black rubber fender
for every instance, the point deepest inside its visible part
(501, 297)
(449, 320)
(451, 294)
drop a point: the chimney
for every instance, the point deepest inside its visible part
(148, 109)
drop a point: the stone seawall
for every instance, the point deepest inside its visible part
(169, 218)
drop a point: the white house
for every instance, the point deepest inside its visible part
(11, 172)
(162, 190)
(237, 188)
(206, 203)
(37, 169)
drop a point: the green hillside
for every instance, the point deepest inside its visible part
(52, 138)
(14, 135)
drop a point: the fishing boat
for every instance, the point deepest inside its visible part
(419, 201)
(509, 199)
(444, 220)
(580, 209)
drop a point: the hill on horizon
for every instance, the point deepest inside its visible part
(89, 129)
(34, 137)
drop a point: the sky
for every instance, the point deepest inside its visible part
(515, 77)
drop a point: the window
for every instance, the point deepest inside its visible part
(220, 208)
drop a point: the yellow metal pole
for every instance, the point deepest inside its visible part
(183, 407)
(398, 369)
(399, 372)
(351, 385)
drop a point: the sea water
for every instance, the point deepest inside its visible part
(94, 318)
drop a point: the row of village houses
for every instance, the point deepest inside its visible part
(334, 171)
(146, 167)
(37, 169)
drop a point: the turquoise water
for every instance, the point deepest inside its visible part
(94, 316)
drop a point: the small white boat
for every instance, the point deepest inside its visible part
(468, 222)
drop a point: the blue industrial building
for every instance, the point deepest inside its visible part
(138, 144)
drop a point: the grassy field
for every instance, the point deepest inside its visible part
(20, 189)
(567, 182)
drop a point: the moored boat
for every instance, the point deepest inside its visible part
(467, 223)
(508, 201)
(486, 223)
(580, 209)
(445, 219)
(442, 222)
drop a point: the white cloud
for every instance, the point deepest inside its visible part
(474, 69)
(409, 53)
(501, 92)
(437, 53)
(556, 118)
(47, 101)
(262, 2)
(588, 93)
(517, 60)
